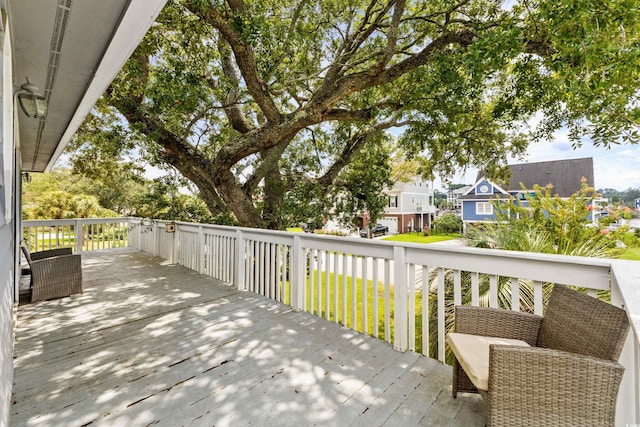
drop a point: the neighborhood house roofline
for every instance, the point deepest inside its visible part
(470, 191)
(565, 175)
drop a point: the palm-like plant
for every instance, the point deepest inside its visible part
(544, 224)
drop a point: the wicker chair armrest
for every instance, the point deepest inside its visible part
(492, 322)
(539, 386)
(50, 253)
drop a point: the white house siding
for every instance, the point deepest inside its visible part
(7, 270)
(411, 201)
(7, 230)
(414, 206)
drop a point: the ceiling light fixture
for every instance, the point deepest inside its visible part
(32, 104)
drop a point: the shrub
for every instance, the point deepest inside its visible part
(330, 232)
(448, 223)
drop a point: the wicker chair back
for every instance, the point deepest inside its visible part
(577, 323)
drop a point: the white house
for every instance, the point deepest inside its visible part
(453, 197)
(411, 206)
(71, 50)
(57, 59)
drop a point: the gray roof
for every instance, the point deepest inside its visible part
(460, 190)
(565, 175)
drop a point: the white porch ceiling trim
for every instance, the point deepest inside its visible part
(136, 21)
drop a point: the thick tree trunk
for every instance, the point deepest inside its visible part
(219, 188)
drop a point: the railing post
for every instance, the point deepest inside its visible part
(238, 265)
(401, 330)
(202, 256)
(129, 228)
(175, 239)
(627, 409)
(155, 228)
(78, 236)
(297, 280)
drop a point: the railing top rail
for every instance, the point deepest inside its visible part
(71, 221)
(350, 245)
(546, 268)
(552, 258)
(413, 248)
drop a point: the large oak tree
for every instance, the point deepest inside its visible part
(268, 106)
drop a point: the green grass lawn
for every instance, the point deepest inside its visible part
(368, 291)
(320, 287)
(89, 242)
(295, 230)
(631, 253)
(419, 238)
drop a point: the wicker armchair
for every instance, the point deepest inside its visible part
(562, 371)
(55, 273)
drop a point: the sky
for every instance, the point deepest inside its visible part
(617, 167)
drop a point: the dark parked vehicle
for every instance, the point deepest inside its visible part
(376, 230)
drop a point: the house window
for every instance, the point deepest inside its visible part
(524, 196)
(413, 200)
(484, 208)
(483, 189)
(393, 201)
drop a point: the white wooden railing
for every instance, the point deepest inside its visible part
(355, 282)
(84, 234)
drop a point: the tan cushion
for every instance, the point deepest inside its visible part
(472, 352)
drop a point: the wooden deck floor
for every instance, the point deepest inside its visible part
(150, 343)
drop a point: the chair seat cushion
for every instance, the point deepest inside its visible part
(472, 352)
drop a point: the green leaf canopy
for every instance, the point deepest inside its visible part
(257, 101)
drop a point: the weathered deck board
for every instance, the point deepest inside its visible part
(151, 343)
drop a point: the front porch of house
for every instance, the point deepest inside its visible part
(149, 342)
(232, 324)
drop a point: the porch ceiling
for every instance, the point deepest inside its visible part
(71, 50)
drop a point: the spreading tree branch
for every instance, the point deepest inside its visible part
(232, 109)
(351, 150)
(243, 53)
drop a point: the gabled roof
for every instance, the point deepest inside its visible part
(461, 190)
(565, 175)
(498, 191)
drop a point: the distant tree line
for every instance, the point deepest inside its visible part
(119, 191)
(624, 198)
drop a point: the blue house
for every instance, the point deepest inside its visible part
(564, 175)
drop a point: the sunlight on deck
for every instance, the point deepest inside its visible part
(153, 343)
